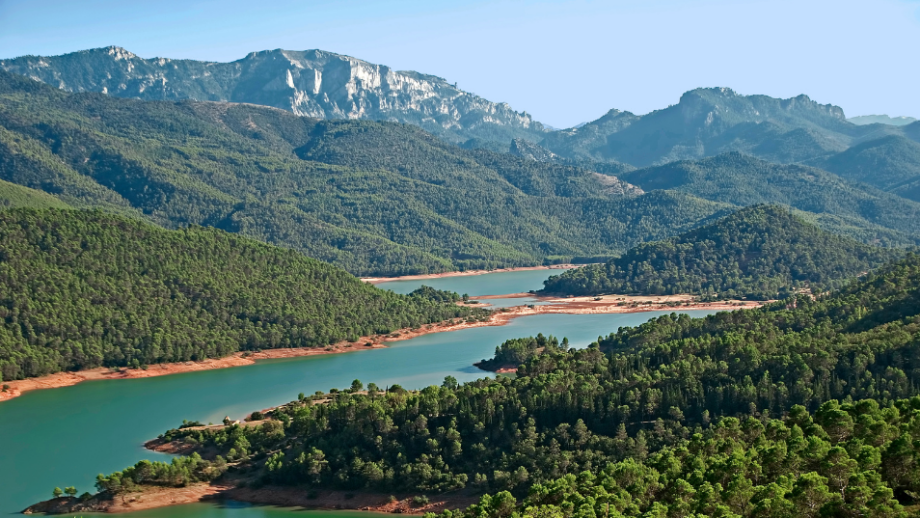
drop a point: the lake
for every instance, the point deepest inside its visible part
(65, 436)
(501, 283)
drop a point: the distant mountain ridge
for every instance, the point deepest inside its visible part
(312, 83)
(710, 121)
(882, 119)
(320, 84)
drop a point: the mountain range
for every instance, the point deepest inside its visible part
(278, 146)
(376, 198)
(710, 121)
(320, 84)
(312, 83)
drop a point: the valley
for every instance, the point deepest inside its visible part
(516, 305)
(116, 417)
(305, 284)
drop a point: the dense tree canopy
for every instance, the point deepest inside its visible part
(761, 252)
(800, 408)
(85, 289)
(12, 195)
(891, 163)
(858, 210)
(516, 351)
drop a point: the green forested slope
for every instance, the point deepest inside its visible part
(760, 252)
(374, 198)
(891, 163)
(744, 180)
(377, 198)
(83, 289)
(13, 195)
(735, 414)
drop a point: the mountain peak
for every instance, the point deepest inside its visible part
(714, 90)
(115, 51)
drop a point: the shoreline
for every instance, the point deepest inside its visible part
(607, 304)
(420, 277)
(154, 497)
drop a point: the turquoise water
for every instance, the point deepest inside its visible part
(475, 285)
(66, 436)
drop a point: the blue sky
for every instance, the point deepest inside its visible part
(562, 61)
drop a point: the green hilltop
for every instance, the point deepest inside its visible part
(85, 289)
(761, 252)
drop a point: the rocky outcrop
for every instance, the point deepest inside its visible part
(613, 186)
(526, 149)
(313, 83)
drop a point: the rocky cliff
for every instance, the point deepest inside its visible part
(312, 83)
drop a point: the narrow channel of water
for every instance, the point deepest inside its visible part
(64, 437)
(501, 283)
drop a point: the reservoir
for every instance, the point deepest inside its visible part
(64, 437)
(501, 283)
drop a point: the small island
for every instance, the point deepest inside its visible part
(515, 352)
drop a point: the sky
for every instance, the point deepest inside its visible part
(564, 62)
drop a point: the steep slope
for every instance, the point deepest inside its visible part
(761, 252)
(83, 289)
(735, 414)
(14, 196)
(744, 180)
(891, 163)
(376, 198)
(710, 121)
(313, 83)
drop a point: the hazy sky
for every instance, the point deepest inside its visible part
(562, 61)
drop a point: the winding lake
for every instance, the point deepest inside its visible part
(66, 436)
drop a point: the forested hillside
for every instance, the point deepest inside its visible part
(761, 252)
(84, 289)
(735, 414)
(891, 163)
(12, 196)
(374, 198)
(863, 212)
